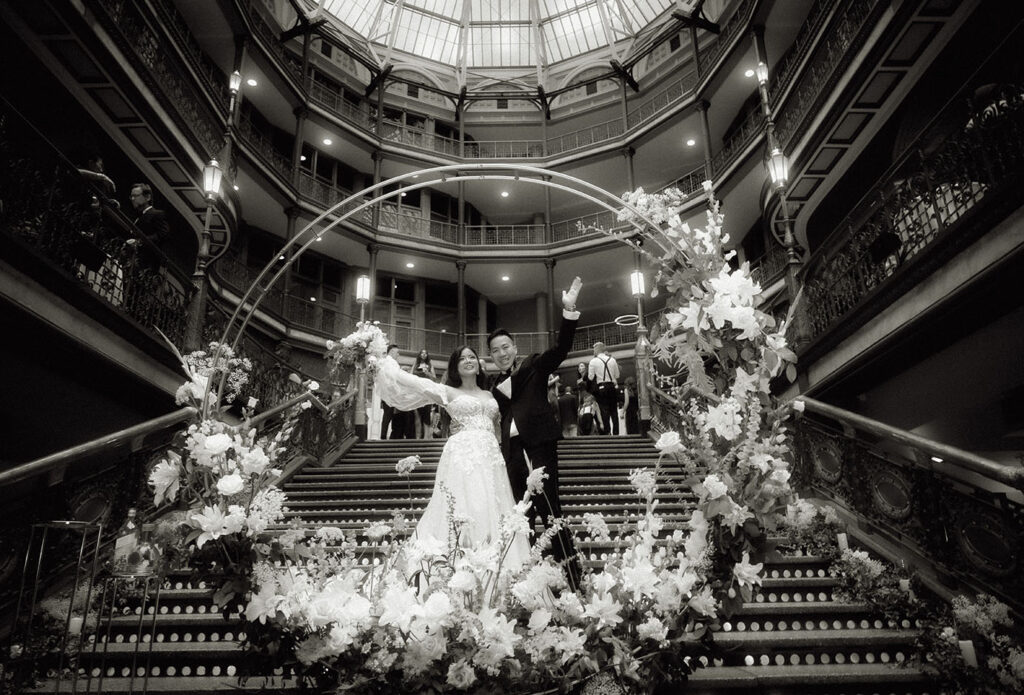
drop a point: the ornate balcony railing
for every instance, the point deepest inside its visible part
(413, 224)
(130, 28)
(917, 204)
(662, 100)
(264, 149)
(810, 29)
(214, 80)
(609, 333)
(941, 506)
(585, 137)
(769, 266)
(52, 211)
(268, 36)
(587, 225)
(504, 235)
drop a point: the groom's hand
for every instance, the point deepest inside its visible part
(570, 295)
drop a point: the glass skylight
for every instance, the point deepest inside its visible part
(497, 33)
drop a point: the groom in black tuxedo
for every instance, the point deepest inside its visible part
(528, 425)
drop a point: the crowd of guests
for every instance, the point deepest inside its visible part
(595, 404)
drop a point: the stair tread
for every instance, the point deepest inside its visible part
(819, 638)
(807, 674)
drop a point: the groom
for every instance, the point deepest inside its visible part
(528, 425)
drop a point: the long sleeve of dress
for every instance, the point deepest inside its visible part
(405, 391)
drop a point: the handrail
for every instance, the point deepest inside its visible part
(100, 444)
(1008, 475)
(290, 403)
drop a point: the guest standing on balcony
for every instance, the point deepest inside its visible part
(603, 372)
(179, 247)
(631, 406)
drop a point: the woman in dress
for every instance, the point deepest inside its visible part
(422, 367)
(471, 471)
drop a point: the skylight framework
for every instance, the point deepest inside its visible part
(499, 34)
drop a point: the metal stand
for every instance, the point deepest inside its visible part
(43, 561)
(122, 597)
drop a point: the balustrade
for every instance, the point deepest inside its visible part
(264, 149)
(504, 235)
(916, 202)
(949, 508)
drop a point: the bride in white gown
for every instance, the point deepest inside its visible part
(471, 469)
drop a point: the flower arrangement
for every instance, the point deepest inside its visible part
(362, 348)
(725, 352)
(220, 475)
(811, 529)
(422, 618)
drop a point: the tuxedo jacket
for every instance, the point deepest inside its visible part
(529, 405)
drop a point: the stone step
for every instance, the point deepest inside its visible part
(817, 679)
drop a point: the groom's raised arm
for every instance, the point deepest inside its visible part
(549, 360)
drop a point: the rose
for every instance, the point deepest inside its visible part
(714, 486)
(217, 443)
(230, 484)
(669, 443)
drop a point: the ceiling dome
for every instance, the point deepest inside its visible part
(483, 37)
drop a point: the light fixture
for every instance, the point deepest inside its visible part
(505, 278)
(691, 142)
(504, 194)
(235, 82)
(403, 194)
(281, 257)
(328, 141)
(320, 237)
(302, 157)
(211, 179)
(762, 72)
(312, 299)
(936, 459)
(410, 265)
(251, 82)
(363, 289)
(778, 167)
(636, 283)
(444, 330)
(748, 73)
(235, 186)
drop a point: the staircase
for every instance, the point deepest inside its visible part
(793, 638)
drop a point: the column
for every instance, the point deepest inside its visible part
(481, 324)
(696, 52)
(547, 212)
(625, 106)
(642, 359)
(286, 279)
(705, 129)
(378, 157)
(300, 121)
(462, 213)
(543, 319)
(460, 266)
(373, 250)
(627, 153)
(549, 264)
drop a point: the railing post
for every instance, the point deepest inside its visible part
(197, 307)
(643, 371)
(361, 426)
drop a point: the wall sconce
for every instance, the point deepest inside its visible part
(211, 179)
(636, 284)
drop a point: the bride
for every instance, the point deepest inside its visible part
(471, 470)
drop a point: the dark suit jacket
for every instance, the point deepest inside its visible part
(180, 248)
(529, 406)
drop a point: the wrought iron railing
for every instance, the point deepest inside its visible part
(504, 235)
(662, 100)
(585, 137)
(610, 333)
(439, 344)
(769, 266)
(130, 27)
(59, 215)
(942, 176)
(941, 506)
(264, 149)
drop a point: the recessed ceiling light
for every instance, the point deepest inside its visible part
(410, 265)
(444, 330)
(505, 278)
(328, 141)
(302, 157)
(691, 142)
(312, 299)
(504, 194)
(936, 459)
(319, 237)
(748, 73)
(236, 186)
(403, 194)
(251, 82)
(281, 257)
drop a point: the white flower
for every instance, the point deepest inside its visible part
(643, 482)
(166, 478)
(407, 465)
(252, 402)
(652, 629)
(704, 602)
(725, 419)
(604, 609)
(597, 527)
(377, 530)
(214, 523)
(747, 574)
(262, 605)
(736, 284)
(463, 580)
(230, 484)
(461, 675)
(313, 386)
(669, 443)
(798, 406)
(255, 461)
(539, 619)
(217, 443)
(535, 481)
(513, 524)
(780, 476)
(714, 486)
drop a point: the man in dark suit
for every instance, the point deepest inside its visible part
(151, 223)
(528, 426)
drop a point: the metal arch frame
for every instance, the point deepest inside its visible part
(253, 296)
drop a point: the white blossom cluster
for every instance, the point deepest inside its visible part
(364, 347)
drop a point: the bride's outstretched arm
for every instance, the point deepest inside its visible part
(406, 391)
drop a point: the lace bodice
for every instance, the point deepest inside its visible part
(471, 413)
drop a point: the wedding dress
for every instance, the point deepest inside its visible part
(471, 469)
